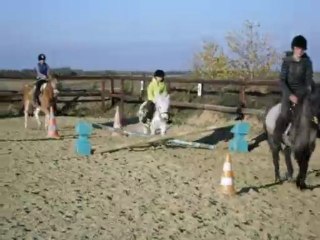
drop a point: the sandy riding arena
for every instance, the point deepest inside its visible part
(48, 192)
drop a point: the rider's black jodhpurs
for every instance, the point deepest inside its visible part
(150, 106)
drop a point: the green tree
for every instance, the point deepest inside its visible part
(211, 62)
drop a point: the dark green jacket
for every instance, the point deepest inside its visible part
(297, 76)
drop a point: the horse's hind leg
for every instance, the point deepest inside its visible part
(287, 155)
(275, 149)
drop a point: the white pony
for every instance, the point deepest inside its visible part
(160, 117)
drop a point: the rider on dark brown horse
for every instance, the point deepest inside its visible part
(296, 82)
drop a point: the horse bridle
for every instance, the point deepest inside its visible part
(314, 119)
(163, 113)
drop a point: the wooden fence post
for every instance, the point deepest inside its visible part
(242, 94)
(169, 87)
(142, 86)
(200, 87)
(131, 87)
(112, 91)
(121, 108)
(103, 94)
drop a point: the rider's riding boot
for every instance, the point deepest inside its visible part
(150, 109)
(281, 125)
(144, 119)
(36, 100)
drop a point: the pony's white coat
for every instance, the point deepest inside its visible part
(272, 117)
(160, 117)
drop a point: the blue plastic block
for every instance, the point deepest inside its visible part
(83, 146)
(238, 143)
(241, 128)
(84, 129)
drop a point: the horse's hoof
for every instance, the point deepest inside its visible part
(287, 177)
(290, 179)
(301, 185)
(277, 179)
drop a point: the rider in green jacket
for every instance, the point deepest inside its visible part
(156, 87)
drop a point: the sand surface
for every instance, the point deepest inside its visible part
(48, 192)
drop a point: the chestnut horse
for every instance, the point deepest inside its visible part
(48, 93)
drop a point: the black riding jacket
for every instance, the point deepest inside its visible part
(297, 76)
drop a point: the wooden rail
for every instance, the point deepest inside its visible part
(108, 91)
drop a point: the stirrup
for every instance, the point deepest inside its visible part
(285, 135)
(287, 129)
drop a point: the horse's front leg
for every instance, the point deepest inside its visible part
(303, 162)
(46, 120)
(153, 128)
(146, 129)
(26, 113)
(287, 155)
(163, 128)
(36, 115)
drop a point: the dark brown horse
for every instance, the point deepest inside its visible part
(301, 137)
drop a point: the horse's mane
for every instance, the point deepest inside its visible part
(49, 90)
(162, 98)
(303, 125)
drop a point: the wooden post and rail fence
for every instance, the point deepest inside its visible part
(109, 92)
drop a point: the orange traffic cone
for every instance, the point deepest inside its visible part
(227, 182)
(117, 119)
(52, 128)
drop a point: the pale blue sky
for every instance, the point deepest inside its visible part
(142, 34)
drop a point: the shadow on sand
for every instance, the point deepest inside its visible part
(257, 188)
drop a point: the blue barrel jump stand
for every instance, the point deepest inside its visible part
(83, 146)
(239, 143)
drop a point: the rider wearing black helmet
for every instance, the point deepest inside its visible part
(296, 81)
(42, 70)
(157, 86)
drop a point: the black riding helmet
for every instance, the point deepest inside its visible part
(41, 57)
(159, 73)
(300, 42)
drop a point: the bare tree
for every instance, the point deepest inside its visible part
(253, 56)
